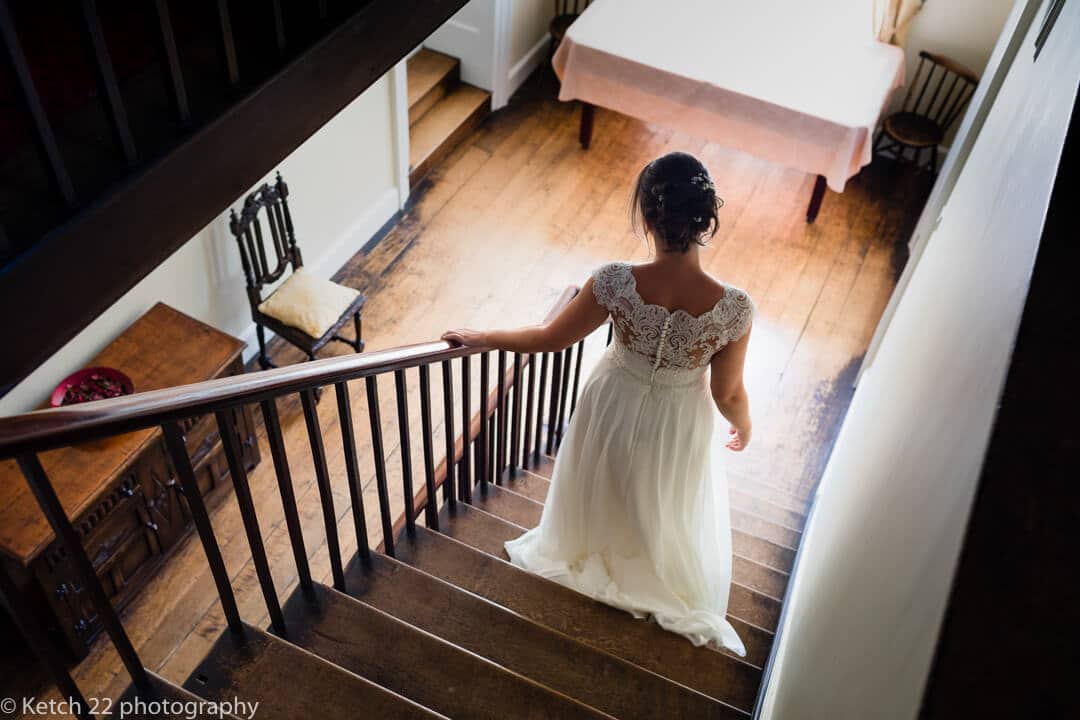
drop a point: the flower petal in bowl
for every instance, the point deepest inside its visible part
(93, 383)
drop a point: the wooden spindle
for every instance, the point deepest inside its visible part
(285, 488)
(500, 414)
(228, 43)
(172, 62)
(405, 450)
(515, 417)
(553, 408)
(375, 419)
(279, 25)
(526, 439)
(177, 449)
(54, 512)
(352, 471)
(577, 377)
(43, 135)
(114, 102)
(322, 480)
(465, 479)
(545, 357)
(563, 392)
(448, 426)
(482, 466)
(431, 506)
(492, 461)
(230, 441)
(25, 618)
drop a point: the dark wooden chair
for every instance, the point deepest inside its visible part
(271, 200)
(921, 125)
(566, 12)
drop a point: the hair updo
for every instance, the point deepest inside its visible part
(675, 199)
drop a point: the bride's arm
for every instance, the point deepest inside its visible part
(728, 390)
(579, 318)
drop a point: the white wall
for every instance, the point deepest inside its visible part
(470, 36)
(530, 40)
(878, 556)
(965, 30)
(499, 43)
(343, 188)
(530, 25)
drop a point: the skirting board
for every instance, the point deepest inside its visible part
(359, 236)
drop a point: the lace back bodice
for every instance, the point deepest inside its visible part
(671, 347)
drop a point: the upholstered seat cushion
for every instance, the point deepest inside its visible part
(308, 303)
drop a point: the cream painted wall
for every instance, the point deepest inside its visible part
(965, 30)
(343, 188)
(529, 26)
(879, 552)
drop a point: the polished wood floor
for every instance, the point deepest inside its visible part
(496, 232)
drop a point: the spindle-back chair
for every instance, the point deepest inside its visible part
(921, 124)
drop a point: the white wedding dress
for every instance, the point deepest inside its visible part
(637, 514)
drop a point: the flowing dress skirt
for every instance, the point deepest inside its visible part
(637, 515)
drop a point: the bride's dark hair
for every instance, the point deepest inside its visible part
(675, 198)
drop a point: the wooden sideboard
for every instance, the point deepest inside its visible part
(121, 492)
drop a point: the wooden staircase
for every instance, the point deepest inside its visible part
(455, 630)
(442, 110)
(434, 621)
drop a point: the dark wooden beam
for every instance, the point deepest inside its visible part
(141, 223)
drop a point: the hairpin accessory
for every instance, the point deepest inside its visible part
(703, 181)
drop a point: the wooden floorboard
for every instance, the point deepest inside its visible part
(519, 194)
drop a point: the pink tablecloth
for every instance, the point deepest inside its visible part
(763, 77)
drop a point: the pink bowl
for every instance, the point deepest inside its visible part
(87, 376)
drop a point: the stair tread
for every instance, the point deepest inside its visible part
(531, 486)
(776, 496)
(422, 667)
(424, 71)
(542, 467)
(522, 513)
(645, 644)
(762, 550)
(161, 689)
(441, 125)
(289, 682)
(518, 644)
(760, 527)
(761, 507)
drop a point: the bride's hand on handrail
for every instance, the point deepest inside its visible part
(468, 338)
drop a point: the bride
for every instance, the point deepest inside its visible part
(637, 515)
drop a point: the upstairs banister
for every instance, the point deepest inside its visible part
(56, 427)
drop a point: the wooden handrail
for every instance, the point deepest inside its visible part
(55, 427)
